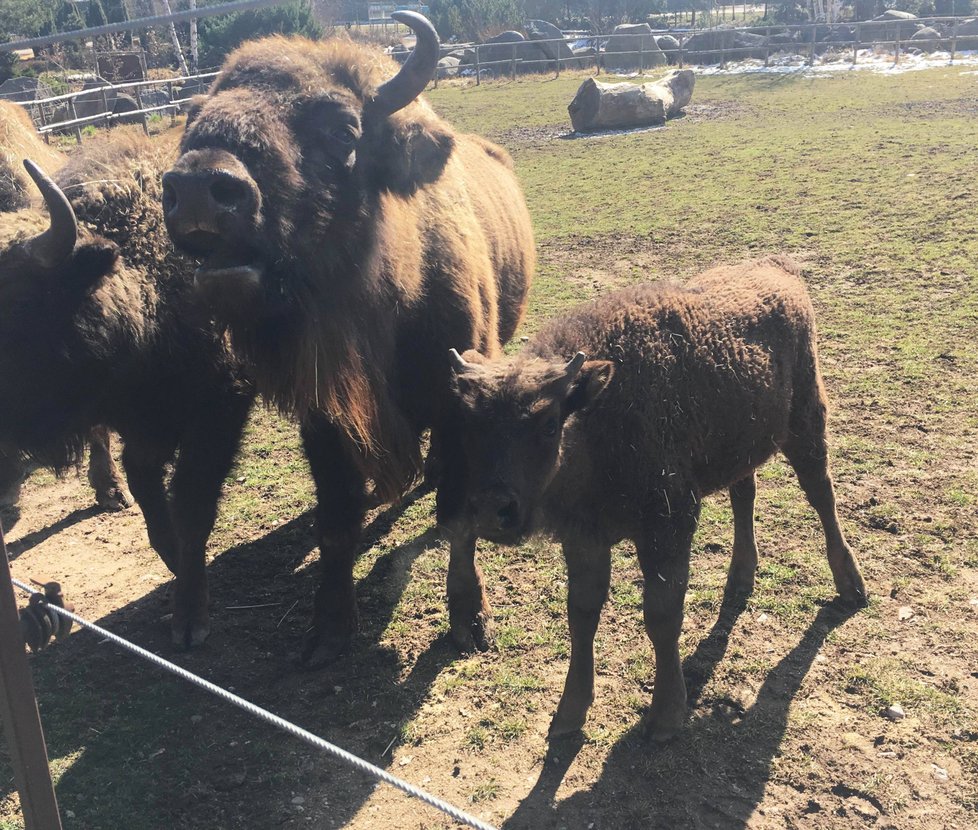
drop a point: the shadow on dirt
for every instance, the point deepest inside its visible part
(25, 543)
(691, 779)
(148, 750)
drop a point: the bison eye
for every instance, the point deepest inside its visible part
(550, 427)
(342, 135)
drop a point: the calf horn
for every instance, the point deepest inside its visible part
(419, 68)
(53, 246)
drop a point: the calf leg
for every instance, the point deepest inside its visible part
(340, 510)
(110, 489)
(740, 577)
(469, 612)
(144, 470)
(663, 554)
(206, 454)
(807, 451)
(588, 577)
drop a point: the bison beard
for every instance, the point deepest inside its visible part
(347, 237)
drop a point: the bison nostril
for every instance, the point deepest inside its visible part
(229, 192)
(508, 515)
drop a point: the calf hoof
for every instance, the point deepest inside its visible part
(852, 589)
(114, 498)
(320, 648)
(473, 635)
(740, 581)
(565, 727)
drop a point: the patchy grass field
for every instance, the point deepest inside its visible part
(872, 182)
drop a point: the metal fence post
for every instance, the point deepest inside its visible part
(21, 720)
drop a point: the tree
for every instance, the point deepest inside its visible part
(475, 19)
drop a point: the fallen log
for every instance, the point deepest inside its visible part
(598, 106)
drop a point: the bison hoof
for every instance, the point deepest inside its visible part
(189, 635)
(319, 649)
(114, 498)
(661, 732)
(852, 589)
(473, 636)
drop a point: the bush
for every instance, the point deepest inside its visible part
(220, 35)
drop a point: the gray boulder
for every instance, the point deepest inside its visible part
(890, 25)
(669, 46)
(501, 50)
(712, 46)
(632, 46)
(448, 66)
(927, 39)
(967, 34)
(552, 42)
(22, 90)
(599, 106)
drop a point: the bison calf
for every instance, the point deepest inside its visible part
(690, 389)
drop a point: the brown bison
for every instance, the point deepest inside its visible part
(93, 332)
(18, 141)
(688, 391)
(347, 237)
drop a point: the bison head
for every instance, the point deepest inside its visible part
(51, 322)
(509, 422)
(283, 162)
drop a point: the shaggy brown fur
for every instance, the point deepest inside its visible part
(112, 336)
(690, 390)
(19, 140)
(371, 242)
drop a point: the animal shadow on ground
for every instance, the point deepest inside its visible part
(175, 755)
(714, 774)
(11, 515)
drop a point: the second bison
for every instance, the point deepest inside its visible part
(347, 237)
(688, 391)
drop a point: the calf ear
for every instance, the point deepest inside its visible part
(590, 382)
(413, 151)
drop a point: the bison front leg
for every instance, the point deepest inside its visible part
(340, 510)
(144, 470)
(206, 454)
(469, 614)
(743, 565)
(110, 488)
(588, 577)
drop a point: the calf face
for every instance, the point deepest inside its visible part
(510, 416)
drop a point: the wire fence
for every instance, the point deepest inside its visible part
(802, 44)
(268, 717)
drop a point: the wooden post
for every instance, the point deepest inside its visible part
(105, 103)
(74, 117)
(954, 38)
(767, 46)
(856, 44)
(139, 105)
(811, 48)
(21, 720)
(173, 110)
(682, 43)
(512, 66)
(478, 71)
(641, 55)
(557, 48)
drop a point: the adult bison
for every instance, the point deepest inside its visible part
(347, 237)
(689, 391)
(92, 332)
(18, 141)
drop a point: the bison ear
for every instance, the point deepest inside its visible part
(193, 109)
(591, 381)
(92, 261)
(414, 153)
(472, 356)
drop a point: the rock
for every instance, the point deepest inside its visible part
(708, 47)
(598, 106)
(632, 46)
(895, 712)
(889, 26)
(501, 50)
(448, 66)
(927, 38)
(23, 89)
(967, 34)
(553, 43)
(669, 46)
(905, 613)
(938, 772)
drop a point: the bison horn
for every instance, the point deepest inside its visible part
(419, 68)
(574, 365)
(53, 246)
(458, 362)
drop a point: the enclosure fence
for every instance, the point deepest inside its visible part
(268, 717)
